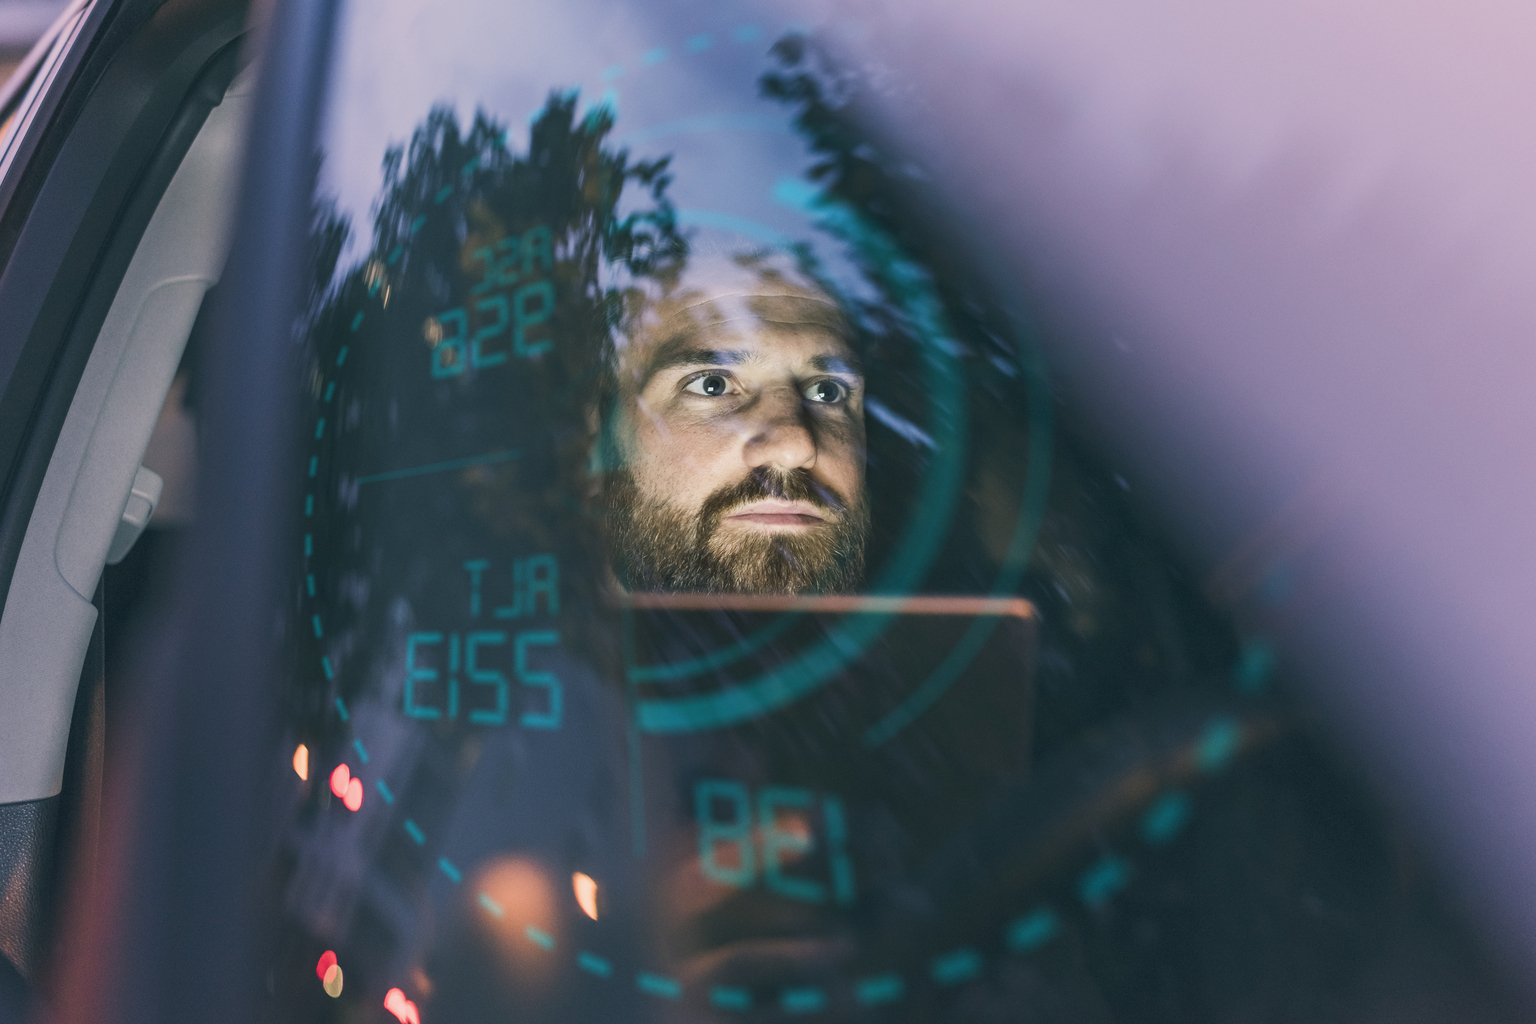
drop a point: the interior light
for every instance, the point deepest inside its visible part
(330, 973)
(350, 790)
(529, 923)
(404, 1010)
(301, 762)
(586, 894)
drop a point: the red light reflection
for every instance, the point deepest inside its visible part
(350, 790)
(403, 1009)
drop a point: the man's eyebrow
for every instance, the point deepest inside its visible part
(837, 364)
(674, 354)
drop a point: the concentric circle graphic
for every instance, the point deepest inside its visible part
(657, 711)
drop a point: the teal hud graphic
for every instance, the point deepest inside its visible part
(700, 610)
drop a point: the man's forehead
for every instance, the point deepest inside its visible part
(742, 328)
(728, 310)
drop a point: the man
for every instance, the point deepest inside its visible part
(738, 423)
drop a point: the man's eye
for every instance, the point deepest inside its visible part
(712, 384)
(827, 391)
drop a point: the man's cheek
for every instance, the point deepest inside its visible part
(845, 458)
(700, 450)
(844, 430)
(674, 474)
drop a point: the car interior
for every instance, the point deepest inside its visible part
(96, 496)
(1143, 691)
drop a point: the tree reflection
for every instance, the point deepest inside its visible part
(462, 377)
(537, 255)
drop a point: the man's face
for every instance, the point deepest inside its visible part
(744, 447)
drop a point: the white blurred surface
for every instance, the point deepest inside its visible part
(1285, 252)
(1284, 255)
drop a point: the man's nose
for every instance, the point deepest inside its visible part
(778, 432)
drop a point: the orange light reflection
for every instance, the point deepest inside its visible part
(586, 894)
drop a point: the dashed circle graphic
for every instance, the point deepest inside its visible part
(1166, 814)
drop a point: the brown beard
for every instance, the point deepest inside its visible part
(656, 546)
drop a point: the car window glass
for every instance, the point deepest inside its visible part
(702, 605)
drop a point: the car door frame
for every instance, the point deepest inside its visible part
(88, 164)
(172, 927)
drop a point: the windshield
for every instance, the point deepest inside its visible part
(703, 604)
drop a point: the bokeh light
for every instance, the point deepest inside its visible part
(329, 972)
(404, 1010)
(586, 894)
(339, 779)
(349, 789)
(528, 898)
(301, 762)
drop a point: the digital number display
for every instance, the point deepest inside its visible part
(743, 842)
(452, 674)
(505, 296)
(434, 692)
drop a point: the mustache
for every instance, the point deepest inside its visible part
(773, 484)
(656, 546)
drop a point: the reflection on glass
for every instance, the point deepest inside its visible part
(586, 893)
(682, 515)
(739, 431)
